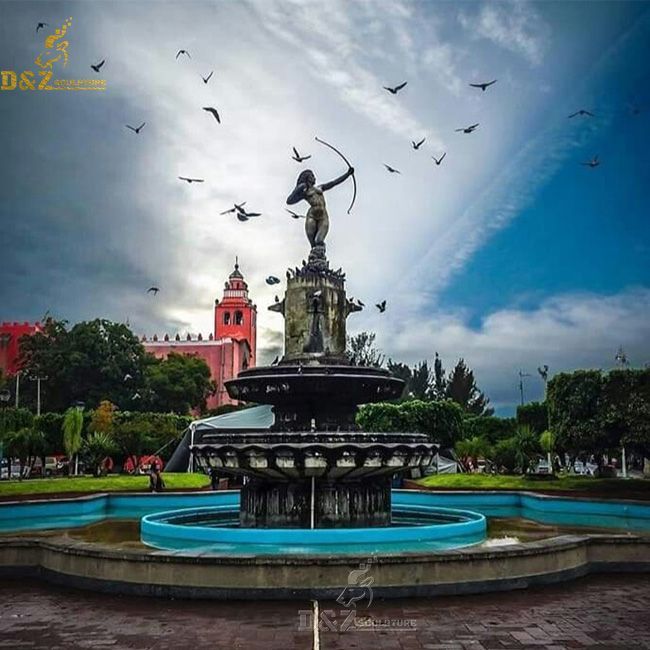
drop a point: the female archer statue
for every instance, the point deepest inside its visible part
(317, 221)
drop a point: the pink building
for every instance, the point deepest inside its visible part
(232, 346)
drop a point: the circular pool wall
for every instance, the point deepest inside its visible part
(416, 528)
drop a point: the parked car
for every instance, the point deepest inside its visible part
(584, 469)
(6, 472)
(542, 467)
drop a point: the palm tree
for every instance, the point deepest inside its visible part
(547, 441)
(26, 444)
(95, 448)
(73, 423)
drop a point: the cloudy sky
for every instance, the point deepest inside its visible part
(510, 253)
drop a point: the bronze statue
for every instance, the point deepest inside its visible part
(317, 221)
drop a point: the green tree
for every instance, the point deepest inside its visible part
(90, 362)
(625, 408)
(533, 414)
(475, 447)
(547, 440)
(420, 383)
(526, 445)
(101, 419)
(73, 422)
(574, 403)
(179, 383)
(95, 448)
(361, 350)
(439, 380)
(442, 421)
(490, 427)
(461, 388)
(26, 444)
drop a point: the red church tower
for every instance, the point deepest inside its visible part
(235, 316)
(230, 349)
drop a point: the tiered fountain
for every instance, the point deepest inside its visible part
(313, 470)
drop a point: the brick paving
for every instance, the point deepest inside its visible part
(604, 611)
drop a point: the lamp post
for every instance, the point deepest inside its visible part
(38, 379)
(521, 384)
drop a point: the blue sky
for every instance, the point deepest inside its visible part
(509, 254)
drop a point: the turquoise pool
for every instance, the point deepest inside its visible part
(206, 522)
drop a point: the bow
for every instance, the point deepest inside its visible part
(354, 180)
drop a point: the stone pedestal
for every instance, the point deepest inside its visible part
(337, 504)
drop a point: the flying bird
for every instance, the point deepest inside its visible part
(206, 79)
(190, 180)
(483, 86)
(297, 157)
(127, 377)
(439, 160)
(213, 111)
(417, 145)
(582, 112)
(272, 280)
(41, 25)
(543, 372)
(248, 215)
(295, 215)
(361, 304)
(183, 52)
(469, 129)
(394, 91)
(135, 130)
(237, 207)
(392, 170)
(594, 162)
(136, 396)
(276, 298)
(381, 306)
(153, 290)
(97, 66)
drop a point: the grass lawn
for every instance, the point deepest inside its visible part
(608, 486)
(91, 484)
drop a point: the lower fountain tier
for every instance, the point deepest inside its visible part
(317, 396)
(346, 504)
(295, 456)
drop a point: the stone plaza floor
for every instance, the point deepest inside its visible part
(602, 611)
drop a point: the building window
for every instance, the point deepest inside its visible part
(239, 318)
(226, 318)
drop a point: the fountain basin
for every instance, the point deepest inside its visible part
(416, 528)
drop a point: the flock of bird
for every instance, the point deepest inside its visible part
(244, 215)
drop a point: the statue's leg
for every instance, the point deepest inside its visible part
(323, 229)
(310, 229)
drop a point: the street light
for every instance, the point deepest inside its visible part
(38, 379)
(521, 384)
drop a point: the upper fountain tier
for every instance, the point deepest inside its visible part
(314, 386)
